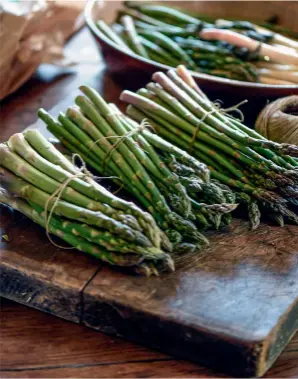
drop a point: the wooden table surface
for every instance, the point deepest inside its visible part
(34, 344)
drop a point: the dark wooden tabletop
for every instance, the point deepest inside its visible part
(34, 344)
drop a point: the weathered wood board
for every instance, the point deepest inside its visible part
(233, 307)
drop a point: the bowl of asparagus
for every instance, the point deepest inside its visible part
(223, 51)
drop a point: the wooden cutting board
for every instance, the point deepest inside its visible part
(233, 306)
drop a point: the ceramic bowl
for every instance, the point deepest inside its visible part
(135, 67)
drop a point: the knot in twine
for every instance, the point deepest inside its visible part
(81, 174)
(278, 121)
(217, 108)
(137, 130)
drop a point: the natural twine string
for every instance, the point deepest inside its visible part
(82, 173)
(143, 125)
(217, 108)
(233, 108)
(278, 121)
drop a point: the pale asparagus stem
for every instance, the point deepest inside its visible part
(179, 108)
(284, 48)
(279, 38)
(172, 102)
(275, 38)
(189, 80)
(275, 54)
(269, 80)
(21, 188)
(183, 79)
(276, 66)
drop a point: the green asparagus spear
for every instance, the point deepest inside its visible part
(107, 31)
(133, 37)
(18, 186)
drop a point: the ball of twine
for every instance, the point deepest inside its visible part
(278, 121)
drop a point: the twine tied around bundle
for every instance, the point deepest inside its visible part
(82, 173)
(217, 108)
(278, 121)
(139, 129)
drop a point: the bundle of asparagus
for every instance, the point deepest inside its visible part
(262, 174)
(237, 50)
(53, 192)
(174, 187)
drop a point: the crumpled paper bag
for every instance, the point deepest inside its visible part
(34, 32)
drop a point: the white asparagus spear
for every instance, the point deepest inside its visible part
(276, 66)
(267, 80)
(277, 38)
(281, 75)
(273, 53)
(283, 47)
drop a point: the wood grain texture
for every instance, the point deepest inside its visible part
(57, 348)
(233, 307)
(36, 273)
(270, 263)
